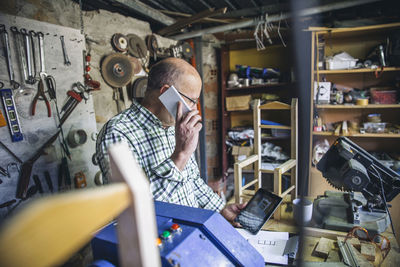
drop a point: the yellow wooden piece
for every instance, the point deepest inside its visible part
(373, 106)
(274, 105)
(45, 233)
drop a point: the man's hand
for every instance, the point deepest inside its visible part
(187, 128)
(231, 211)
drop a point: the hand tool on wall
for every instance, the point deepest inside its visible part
(12, 115)
(64, 178)
(27, 166)
(8, 203)
(4, 172)
(11, 153)
(28, 53)
(32, 36)
(48, 181)
(42, 96)
(73, 100)
(13, 165)
(7, 50)
(38, 183)
(20, 51)
(66, 59)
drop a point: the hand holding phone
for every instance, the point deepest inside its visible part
(170, 99)
(259, 209)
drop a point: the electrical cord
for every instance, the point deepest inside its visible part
(384, 199)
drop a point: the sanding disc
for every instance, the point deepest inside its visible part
(117, 70)
(187, 50)
(137, 67)
(139, 87)
(152, 44)
(120, 42)
(136, 46)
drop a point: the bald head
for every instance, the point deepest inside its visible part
(170, 71)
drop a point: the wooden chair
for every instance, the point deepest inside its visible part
(51, 229)
(242, 191)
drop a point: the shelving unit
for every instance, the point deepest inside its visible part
(358, 42)
(275, 56)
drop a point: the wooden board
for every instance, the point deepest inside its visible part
(368, 251)
(323, 247)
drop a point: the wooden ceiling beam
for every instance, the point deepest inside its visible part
(192, 19)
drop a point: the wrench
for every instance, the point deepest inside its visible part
(32, 35)
(27, 44)
(8, 54)
(41, 52)
(66, 59)
(21, 54)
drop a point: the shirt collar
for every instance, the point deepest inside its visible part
(145, 116)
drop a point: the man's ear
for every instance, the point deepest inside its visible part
(164, 88)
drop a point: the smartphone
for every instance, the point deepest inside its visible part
(170, 100)
(258, 211)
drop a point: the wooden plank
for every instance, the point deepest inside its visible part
(375, 135)
(237, 176)
(318, 232)
(274, 105)
(257, 142)
(249, 184)
(368, 251)
(287, 165)
(294, 144)
(247, 161)
(180, 14)
(369, 106)
(51, 229)
(353, 241)
(137, 228)
(275, 127)
(287, 191)
(192, 19)
(323, 247)
(349, 71)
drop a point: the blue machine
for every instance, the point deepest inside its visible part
(190, 237)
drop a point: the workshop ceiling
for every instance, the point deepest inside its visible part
(214, 13)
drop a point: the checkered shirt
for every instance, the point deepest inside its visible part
(152, 145)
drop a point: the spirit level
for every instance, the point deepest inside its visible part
(11, 114)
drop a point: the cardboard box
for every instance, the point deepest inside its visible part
(238, 102)
(242, 152)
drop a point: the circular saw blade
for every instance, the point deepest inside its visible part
(117, 70)
(136, 46)
(139, 86)
(120, 42)
(337, 184)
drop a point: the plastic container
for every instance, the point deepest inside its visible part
(331, 64)
(383, 96)
(375, 127)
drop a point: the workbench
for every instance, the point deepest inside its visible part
(313, 235)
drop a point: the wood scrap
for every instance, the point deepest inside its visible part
(368, 251)
(333, 256)
(323, 247)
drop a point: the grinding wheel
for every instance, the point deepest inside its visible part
(120, 42)
(117, 70)
(187, 50)
(136, 46)
(138, 89)
(137, 67)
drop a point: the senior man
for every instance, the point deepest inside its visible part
(164, 145)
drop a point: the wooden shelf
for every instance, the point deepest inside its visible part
(258, 86)
(275, 127)
(349, 71)
(372, 106)
(374, 135)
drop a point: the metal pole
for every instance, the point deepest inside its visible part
(273, 18)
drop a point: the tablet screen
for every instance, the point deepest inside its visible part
(259, 209)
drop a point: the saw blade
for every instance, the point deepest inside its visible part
(117, 70)
(136, 46)
(120, 42)
(137, 67)
(139, 87)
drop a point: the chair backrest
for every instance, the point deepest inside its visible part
(48, 231)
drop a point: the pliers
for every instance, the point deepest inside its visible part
(40, 93)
